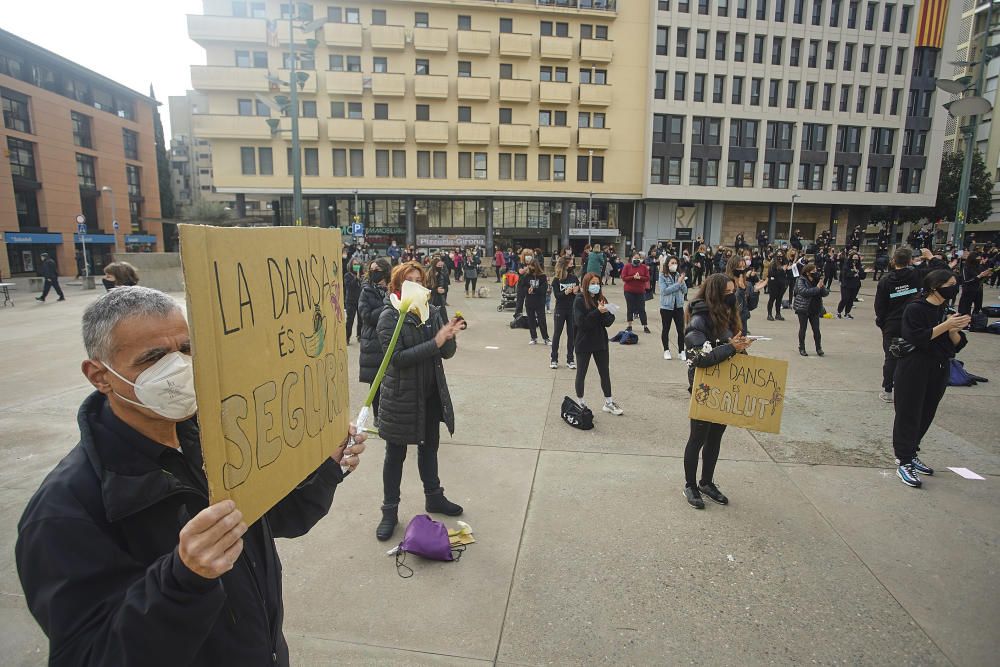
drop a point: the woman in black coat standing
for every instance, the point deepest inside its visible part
(415, 399)
(713, 334)
(807, 302)
(370, 306)
(776, 286)
(851, 275)
(592, 319)
(439, 278)
(922, 375)
(352, 292)
(532, 288)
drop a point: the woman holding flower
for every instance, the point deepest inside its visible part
(414, 393)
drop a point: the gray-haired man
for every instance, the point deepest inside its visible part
(120, 556)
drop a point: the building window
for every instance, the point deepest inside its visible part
(464, 22)
(904, 27)
(721, 39)
(558, 167)
(718, 88)
(479, 163)
(817, 15)
(795, 52)
(758, 48)
(680, 86)
(699, 87)
(378, 16)
(792, 94)
(827, 96)
(22, 158)
(812, 62)
(674, 171)
(506, 25)
(862, 100)
(660, 87)
(464, 68)
(848, 57)
(883, 59)
(311, 156)
(465, 165)
(894, 101)
(86, 171)
(755, 86)
(544, 167)
(662, 39)
(380, 64)
(845, 98)
(423, 66)
(740, 47)
(440, 164)
(309, 108)
(421, 20)
(773, 92)
(464, 114)
(244, 107)
(521, 167)
(506, 167)
(582, 168)
(424, 164)
(357, 162)
(133, 177)
(506, 71)
(852, 15)
(381, 163)
(887, 18)
(871, 16)
(776, 47)
(722, 9)
(266, 159)
(423, 112)
(682, 43)
(381, 111)
(399, 164)
(15, 111)
(506, 116)
(831, 55)
(810, 98)
(737, 90)
(656, 170)
(878, 100)
(900, 60)
(353, 63)
(701, 44)
(835, 13)
(761, 13)
(248, 161)
(81, 130)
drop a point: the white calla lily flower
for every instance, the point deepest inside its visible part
(413, 298)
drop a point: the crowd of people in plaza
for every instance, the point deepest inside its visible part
(121, 557)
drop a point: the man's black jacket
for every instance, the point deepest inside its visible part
(97, 555)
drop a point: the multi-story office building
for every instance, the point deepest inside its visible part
(756, 102)
(75, 143)
(191, 175)
(435, 121)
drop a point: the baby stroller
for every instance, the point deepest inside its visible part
(508, 292)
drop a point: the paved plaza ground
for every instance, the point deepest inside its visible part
(587, 552)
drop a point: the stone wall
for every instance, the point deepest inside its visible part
(159, 270)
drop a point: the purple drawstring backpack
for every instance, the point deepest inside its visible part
(426, 538)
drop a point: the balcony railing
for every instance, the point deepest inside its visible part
(596, 5)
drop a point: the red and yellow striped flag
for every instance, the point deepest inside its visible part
(930, 27)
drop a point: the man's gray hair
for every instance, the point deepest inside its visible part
(119, 304)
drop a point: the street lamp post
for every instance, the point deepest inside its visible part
(791, 218)
(114, 216)
(590, 201)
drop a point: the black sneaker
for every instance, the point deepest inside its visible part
(770, 318)
(694, 497)
(712, 491)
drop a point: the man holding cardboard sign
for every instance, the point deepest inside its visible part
(123, 558)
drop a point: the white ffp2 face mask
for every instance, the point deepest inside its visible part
(166, 387)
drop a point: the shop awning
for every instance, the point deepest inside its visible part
(96, 239)
(32, 239)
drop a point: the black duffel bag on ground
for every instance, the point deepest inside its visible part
(576, 415)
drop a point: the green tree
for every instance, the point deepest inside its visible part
(162, 164)
(980, 191)
(207, 213)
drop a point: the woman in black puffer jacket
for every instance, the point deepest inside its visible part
(712, 335)
(807, 302)
(370, 305)
(415, 399)
(851, 275)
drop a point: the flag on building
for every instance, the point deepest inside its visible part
(930, 26)
(272, 34)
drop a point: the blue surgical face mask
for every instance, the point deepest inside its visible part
(594, 289)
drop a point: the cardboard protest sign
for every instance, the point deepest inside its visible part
(744, 391)
(265, 308)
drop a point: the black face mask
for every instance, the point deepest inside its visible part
(636, 262)
(108, 285)
(730, 300)
(375, 277)
(949, 292)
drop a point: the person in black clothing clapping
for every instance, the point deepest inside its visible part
(592, 318)
(565, 287)
(352, 292)
(532, 288)
(713, 334)
(370, 305)
(439, 278)
(851, 275)
(973, 272)
(776, 286)
(922, 375)
(807, 301)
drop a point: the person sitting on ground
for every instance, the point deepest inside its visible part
(122, 559)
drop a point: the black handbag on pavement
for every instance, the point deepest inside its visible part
(576, 415)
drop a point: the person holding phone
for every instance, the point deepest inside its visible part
(673, 293)
(776, 286)
(922, 375)
(592, 318)
(565, 286)
(713, 335)
(852, 273)
(532, 289)
(807, 302)
(740, 271)
(635, 278)
(414, 399)
(974, 271)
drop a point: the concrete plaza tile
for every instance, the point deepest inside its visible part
(936, 549)
(22, 643)
(964, 411)
(339, 584)
(507, 412)
(855, 428)
(306, 651)
(31, 446)
(655, 423)
(616, 568)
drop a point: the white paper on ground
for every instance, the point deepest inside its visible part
(492, 347)
(965, 472)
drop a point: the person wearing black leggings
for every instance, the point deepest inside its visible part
(565, 287)
(592, 319)
(635, 281)
(673, 292)
(776, 286)
(533, 286)
(713, 335)
(851, 275)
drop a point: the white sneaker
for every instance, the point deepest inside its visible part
(666, 354)
(683, 356)
(533, 342)
(553, 364)
(613, 408)
(548, 342)
(886, 396)
(571, 365)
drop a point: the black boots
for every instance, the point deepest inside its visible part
(819, 351)
(436, 503)
(387, 526)
(802, 351)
